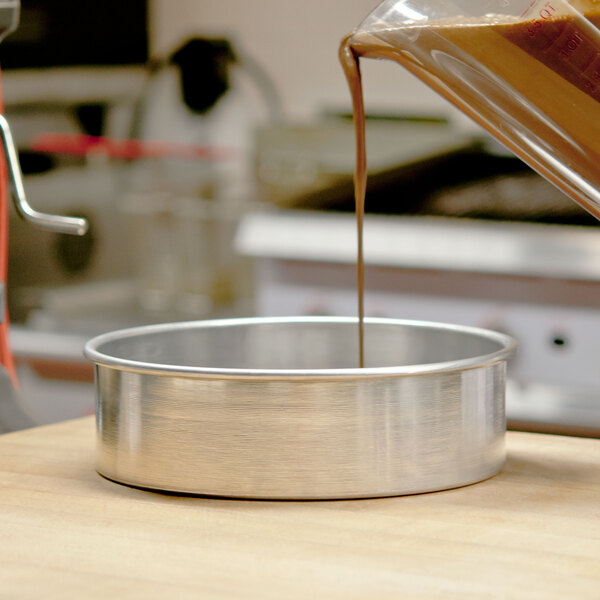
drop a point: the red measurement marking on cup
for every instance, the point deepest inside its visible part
(572, 43)
(527, 9)
(567, 43)
(545, 12)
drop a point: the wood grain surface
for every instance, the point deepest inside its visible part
(533, 531)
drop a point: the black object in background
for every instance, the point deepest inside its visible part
(55, 33)
(204, 71)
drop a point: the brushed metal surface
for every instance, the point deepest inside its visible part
(276, 408)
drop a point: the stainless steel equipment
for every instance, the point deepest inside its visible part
(9, 19)
(276, 408)
(12, 415)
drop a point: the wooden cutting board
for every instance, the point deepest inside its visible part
(533, 531)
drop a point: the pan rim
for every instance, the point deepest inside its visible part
(92, 351)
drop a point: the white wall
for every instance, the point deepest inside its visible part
(297, 43)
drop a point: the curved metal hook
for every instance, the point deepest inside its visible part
(56, 223)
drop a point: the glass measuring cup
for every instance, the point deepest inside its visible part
(527, 71)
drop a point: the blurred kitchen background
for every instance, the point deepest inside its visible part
(210, 146)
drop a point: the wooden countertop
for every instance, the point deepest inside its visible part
(531, 531)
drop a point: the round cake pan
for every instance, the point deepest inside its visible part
(277, 407)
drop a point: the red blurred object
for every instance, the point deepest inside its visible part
(59, 143)
(6, 356)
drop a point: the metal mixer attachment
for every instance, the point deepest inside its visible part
(56, 223)
(9, 20)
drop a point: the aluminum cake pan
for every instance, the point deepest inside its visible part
(277, 408)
